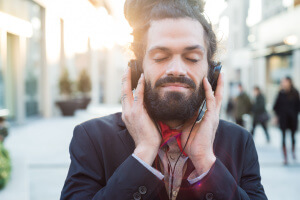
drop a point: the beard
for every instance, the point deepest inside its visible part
(173, 105)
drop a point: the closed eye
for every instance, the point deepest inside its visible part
(160, 59)
(192, 60)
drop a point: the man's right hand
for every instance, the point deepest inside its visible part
(139, 124)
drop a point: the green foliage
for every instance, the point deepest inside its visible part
(84, 83)
(5, 166)
(65, 84)
(3, 132)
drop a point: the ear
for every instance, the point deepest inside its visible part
(135, 72)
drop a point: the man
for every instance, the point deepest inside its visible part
(242, 105)
(260, 114)
(152, 150)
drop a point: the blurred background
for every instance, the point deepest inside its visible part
(61, 63)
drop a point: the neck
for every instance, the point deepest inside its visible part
(174, 124)
(178, 124)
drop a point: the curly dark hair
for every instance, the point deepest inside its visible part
(140, 13)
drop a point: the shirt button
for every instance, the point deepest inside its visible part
(142, 190)
(137, 196)
(175, 193)
(209, 196)
(172, 157)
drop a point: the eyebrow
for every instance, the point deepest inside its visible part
(155, 48)
(191, 48)
(165, 49)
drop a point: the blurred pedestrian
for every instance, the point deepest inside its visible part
(242, 105)
(287, 107)
(230, 109)
(260, 115)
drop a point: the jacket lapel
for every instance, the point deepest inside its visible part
(127, 141)
(125, 136)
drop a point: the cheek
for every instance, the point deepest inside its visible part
(198, 75)
(152, 74)
(149, 78)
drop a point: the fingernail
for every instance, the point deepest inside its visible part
(141, 77)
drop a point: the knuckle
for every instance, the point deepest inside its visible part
(124, 78)
(210, 98)
(219, 94)
(125, 116)
(124, 96)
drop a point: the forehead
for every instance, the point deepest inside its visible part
(175, 34)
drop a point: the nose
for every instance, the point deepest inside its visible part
(176, 67)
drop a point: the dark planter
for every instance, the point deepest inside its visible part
(68, 107)
(3, 125)
(85, 102)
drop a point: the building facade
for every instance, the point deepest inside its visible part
(39, 38)
(21, 57)
(237, 60)
(275, 49)
(271, 51)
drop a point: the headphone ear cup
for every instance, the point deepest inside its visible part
(135, 73)
(214, 75)
(210, 76)
(211, 72)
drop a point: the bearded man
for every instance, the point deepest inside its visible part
(157, 148)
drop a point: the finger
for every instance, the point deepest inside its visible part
(139, 92)
(219, 92)
(209, 95)
(126, 97)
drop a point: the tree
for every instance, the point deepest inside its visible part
(84, 83)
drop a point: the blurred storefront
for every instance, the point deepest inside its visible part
(263, 45)
(276, 49)
(21, 30)
(39, 38)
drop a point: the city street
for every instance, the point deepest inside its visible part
(58, 57)
(40, 158)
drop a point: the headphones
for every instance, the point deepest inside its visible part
(136, 71)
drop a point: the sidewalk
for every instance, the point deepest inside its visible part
(40, 157)
(280, 182)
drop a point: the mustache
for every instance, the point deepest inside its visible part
(170, 79)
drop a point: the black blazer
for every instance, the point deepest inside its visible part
(102, 166)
